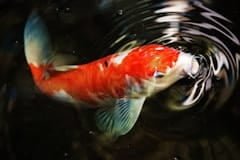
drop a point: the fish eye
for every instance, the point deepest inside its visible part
(158, 74)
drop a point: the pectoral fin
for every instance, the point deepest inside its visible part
(120, 119)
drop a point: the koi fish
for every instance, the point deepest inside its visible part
(116, 85)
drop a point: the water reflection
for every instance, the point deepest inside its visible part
(36, 127)
(191, 27)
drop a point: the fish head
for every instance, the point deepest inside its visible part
(172, 67)
(169, 60)
(164, 60)
(157, 66)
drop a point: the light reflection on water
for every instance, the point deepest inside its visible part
(193, 28)
(36, 127)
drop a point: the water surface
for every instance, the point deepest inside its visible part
(34, 126)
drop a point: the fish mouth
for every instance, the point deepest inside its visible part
(188, 64)
(195, 67)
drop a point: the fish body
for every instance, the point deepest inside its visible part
(117, 85)
(110, 77)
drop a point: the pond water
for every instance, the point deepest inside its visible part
(34, 126)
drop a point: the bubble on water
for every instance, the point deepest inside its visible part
(175, 158)
(67, 9)
(120, 12)
(91, 133)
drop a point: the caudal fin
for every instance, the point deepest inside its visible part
(37, 44)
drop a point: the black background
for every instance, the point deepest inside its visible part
(77, 26)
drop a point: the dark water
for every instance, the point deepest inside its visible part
(33, 126)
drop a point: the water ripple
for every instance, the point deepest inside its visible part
(191, 27)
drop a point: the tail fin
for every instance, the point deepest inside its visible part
(37, 44)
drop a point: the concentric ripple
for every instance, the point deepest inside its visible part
(191, 27)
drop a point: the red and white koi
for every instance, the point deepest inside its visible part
(116, 85)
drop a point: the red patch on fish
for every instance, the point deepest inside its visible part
(105, 77)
